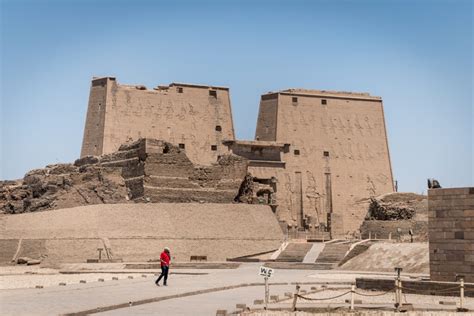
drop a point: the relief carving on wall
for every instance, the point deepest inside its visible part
(371, 187)
(315, 199)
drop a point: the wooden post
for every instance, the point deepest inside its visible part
(370, 235)
(461, 296)
(352, 297)
(399, 293)
(396, 292)
(398, 288)
(295, 297)
(267, 292)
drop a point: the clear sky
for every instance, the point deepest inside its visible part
(417, 55)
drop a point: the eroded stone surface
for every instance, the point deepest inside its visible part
(146, 170)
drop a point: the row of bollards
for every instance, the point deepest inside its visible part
(84, 281)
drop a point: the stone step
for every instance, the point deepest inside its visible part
(294, 252)
(333, 253)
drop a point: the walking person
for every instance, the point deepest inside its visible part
(165, 266)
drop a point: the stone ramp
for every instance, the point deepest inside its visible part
(294, 252)
(314, 253)
(333, 253)
(383, 256)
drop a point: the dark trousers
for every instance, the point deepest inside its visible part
(164, 273)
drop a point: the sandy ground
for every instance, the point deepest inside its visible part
(81, 296)
(383, 256)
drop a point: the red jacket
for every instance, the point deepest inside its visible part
(165, 259)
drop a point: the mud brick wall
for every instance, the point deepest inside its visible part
(451, 233)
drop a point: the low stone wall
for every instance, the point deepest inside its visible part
(389, 229)
(416, 287)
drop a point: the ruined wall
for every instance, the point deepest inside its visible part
(338, 148)
(451, 233)
(146, 170)
(196, 118)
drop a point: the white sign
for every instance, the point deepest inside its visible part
(266, 272)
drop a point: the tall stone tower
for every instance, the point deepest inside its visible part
(327, 150)
(196, 118)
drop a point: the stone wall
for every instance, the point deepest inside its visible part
(195, 117)
(138, 232)
(451, 233)
(389, 229)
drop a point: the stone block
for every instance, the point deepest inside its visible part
(258, 302)
(241, 306)
(274, 297)
(62, 284)
(221, 312)
(447, 303)
(82, 281)
(406, 307)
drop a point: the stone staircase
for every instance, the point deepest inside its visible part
(294, 252)
(333, 253)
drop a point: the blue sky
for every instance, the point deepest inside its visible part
(417, 55)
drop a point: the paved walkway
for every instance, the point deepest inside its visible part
(185, 295)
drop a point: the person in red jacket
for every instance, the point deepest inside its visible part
(165, 266)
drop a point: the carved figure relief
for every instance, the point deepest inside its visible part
(314, 197)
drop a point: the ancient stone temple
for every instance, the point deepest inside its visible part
(317, 154)
(194, 117)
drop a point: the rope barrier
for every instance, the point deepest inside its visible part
(379, 294)
(322, 299)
